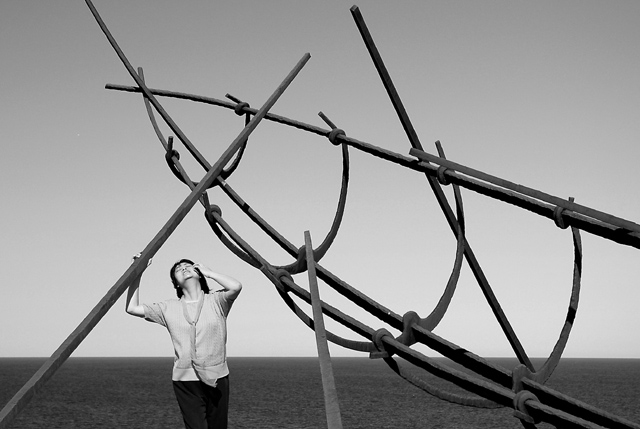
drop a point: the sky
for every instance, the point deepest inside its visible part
(545, 94)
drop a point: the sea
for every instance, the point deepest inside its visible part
(136, 392)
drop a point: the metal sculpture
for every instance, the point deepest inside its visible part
(523, 389)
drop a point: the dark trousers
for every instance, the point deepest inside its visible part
(203, 406)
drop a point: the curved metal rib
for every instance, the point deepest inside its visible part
(299, 265)
(318, 253)
(170, 153)
(431, 321)
(321, 250)
(543, 374)
(236, 161)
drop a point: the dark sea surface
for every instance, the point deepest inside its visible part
(287, 393)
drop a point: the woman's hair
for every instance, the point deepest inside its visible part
(203, 281)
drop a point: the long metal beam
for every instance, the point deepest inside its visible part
(46, 371)
(542, 196)
(615, 229)
(477, 271)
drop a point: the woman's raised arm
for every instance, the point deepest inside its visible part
(132, 306)
(232, 287)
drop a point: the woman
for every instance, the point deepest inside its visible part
(196, 322)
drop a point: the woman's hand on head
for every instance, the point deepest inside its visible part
(201, 269)
(231, 286)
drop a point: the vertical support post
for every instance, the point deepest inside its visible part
(332, 406)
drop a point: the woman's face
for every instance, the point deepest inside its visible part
(183, 271)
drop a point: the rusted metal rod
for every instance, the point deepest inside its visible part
(221, 103)
(476, 269)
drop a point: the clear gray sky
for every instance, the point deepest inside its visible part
(545, 94)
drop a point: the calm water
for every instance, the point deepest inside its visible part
(287, 393)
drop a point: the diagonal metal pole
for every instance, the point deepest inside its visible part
(46, 371)
(331, 404)
(437, 189)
